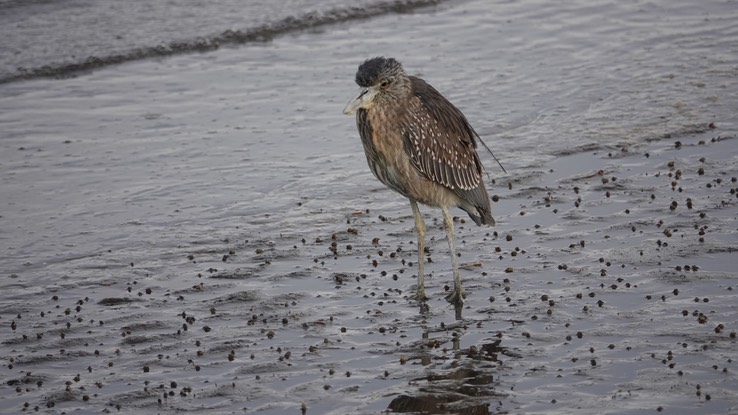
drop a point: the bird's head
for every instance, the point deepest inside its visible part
(382, 81)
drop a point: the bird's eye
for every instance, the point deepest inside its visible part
(385, 83)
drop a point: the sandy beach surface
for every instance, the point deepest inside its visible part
(200, 233)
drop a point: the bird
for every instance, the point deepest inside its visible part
(420, 145)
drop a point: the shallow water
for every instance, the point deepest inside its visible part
(58, 38)
(171, 221)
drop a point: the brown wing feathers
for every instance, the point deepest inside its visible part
(441, 146)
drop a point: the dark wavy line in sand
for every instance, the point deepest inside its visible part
(683, 131)
(261, 33)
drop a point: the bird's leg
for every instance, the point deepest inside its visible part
(420, 229)
(457, 295)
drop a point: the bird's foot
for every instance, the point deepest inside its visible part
(456, 297)
(420, 295)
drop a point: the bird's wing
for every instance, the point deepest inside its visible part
(440, 142)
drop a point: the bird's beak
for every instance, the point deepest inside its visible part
(363, 100)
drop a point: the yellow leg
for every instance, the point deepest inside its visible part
(457, 295)
(420, 229)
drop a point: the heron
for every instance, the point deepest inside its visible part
(420, 145)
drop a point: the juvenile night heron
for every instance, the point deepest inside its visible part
(420, 145)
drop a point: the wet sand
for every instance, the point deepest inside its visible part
(202, 233)
(607, 285)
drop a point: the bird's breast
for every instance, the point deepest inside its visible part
(382, 141)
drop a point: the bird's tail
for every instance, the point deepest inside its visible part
(480, 215)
